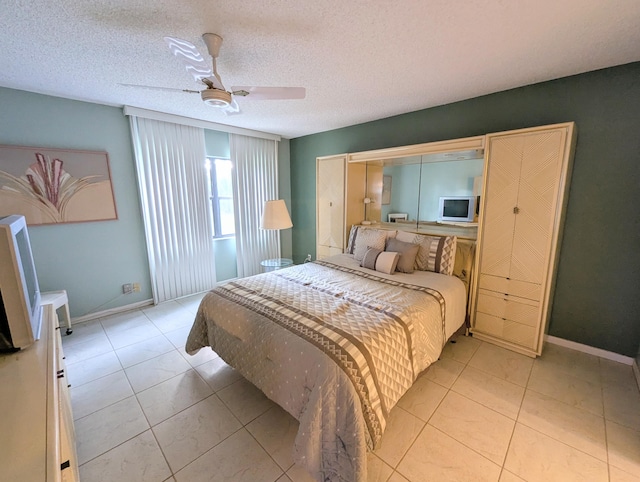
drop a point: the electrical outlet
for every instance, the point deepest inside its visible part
(136, 287)
(127, 288)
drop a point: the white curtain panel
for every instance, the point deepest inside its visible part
(175, 195)
(256, 181)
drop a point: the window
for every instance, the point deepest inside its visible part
(221, 174)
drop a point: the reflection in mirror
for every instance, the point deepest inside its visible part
(402, 178)
(451, 177)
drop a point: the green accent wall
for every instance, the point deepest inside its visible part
(284, 192)
(596, 297)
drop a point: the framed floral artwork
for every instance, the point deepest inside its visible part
(51, 186)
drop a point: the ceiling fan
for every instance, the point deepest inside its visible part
(216, 94)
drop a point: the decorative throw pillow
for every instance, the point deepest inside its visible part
(383, 261)
(387, 262)
(368, 238)
(436, 253)
(352, 239)
(407, 251)
(353, 234)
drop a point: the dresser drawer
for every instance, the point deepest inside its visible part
(508, 330)
(520, 310)
(523, 289)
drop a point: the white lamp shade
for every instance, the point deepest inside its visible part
(275, 215)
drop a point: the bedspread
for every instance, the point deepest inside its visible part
(334, 346)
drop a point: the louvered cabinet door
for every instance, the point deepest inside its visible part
(524, 193)
(501, 194)
(330, 206)
(536, 205)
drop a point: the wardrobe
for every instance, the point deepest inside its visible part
(526, 183)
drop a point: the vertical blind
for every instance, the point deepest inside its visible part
(256, 181)
(175, 197)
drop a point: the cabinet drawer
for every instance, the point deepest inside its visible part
(520, 310)
(523, 289)
(508, 330)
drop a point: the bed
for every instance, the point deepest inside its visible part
(336, 345)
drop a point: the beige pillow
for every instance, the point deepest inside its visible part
(407, 251)
(436, 253)
(368, 238)
(355, 229)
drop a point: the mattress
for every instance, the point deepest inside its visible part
(334, 344)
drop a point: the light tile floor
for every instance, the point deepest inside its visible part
(145, 411)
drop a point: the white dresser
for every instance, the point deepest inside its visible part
(38, 440)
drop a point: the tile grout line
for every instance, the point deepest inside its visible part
(524, 394)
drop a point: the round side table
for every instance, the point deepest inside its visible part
(275, 263)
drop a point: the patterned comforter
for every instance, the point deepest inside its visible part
(333, 344)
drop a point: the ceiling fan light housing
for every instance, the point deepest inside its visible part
(216, 97)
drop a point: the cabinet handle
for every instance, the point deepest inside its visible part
(65, 465)
(516, 210)
(60, 375)
(60, 371)
(330, 204)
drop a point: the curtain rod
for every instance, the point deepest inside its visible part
(177, 119)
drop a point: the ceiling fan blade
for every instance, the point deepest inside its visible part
(269, 93)
(166, 89)
(193, 61)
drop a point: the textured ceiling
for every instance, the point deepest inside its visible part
(359, 60)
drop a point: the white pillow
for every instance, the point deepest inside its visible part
(368, 238)
(387, 262)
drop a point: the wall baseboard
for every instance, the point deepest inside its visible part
(111, 311)
(609, 355)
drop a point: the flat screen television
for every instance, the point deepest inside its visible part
(20, 311)
(457, 209)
